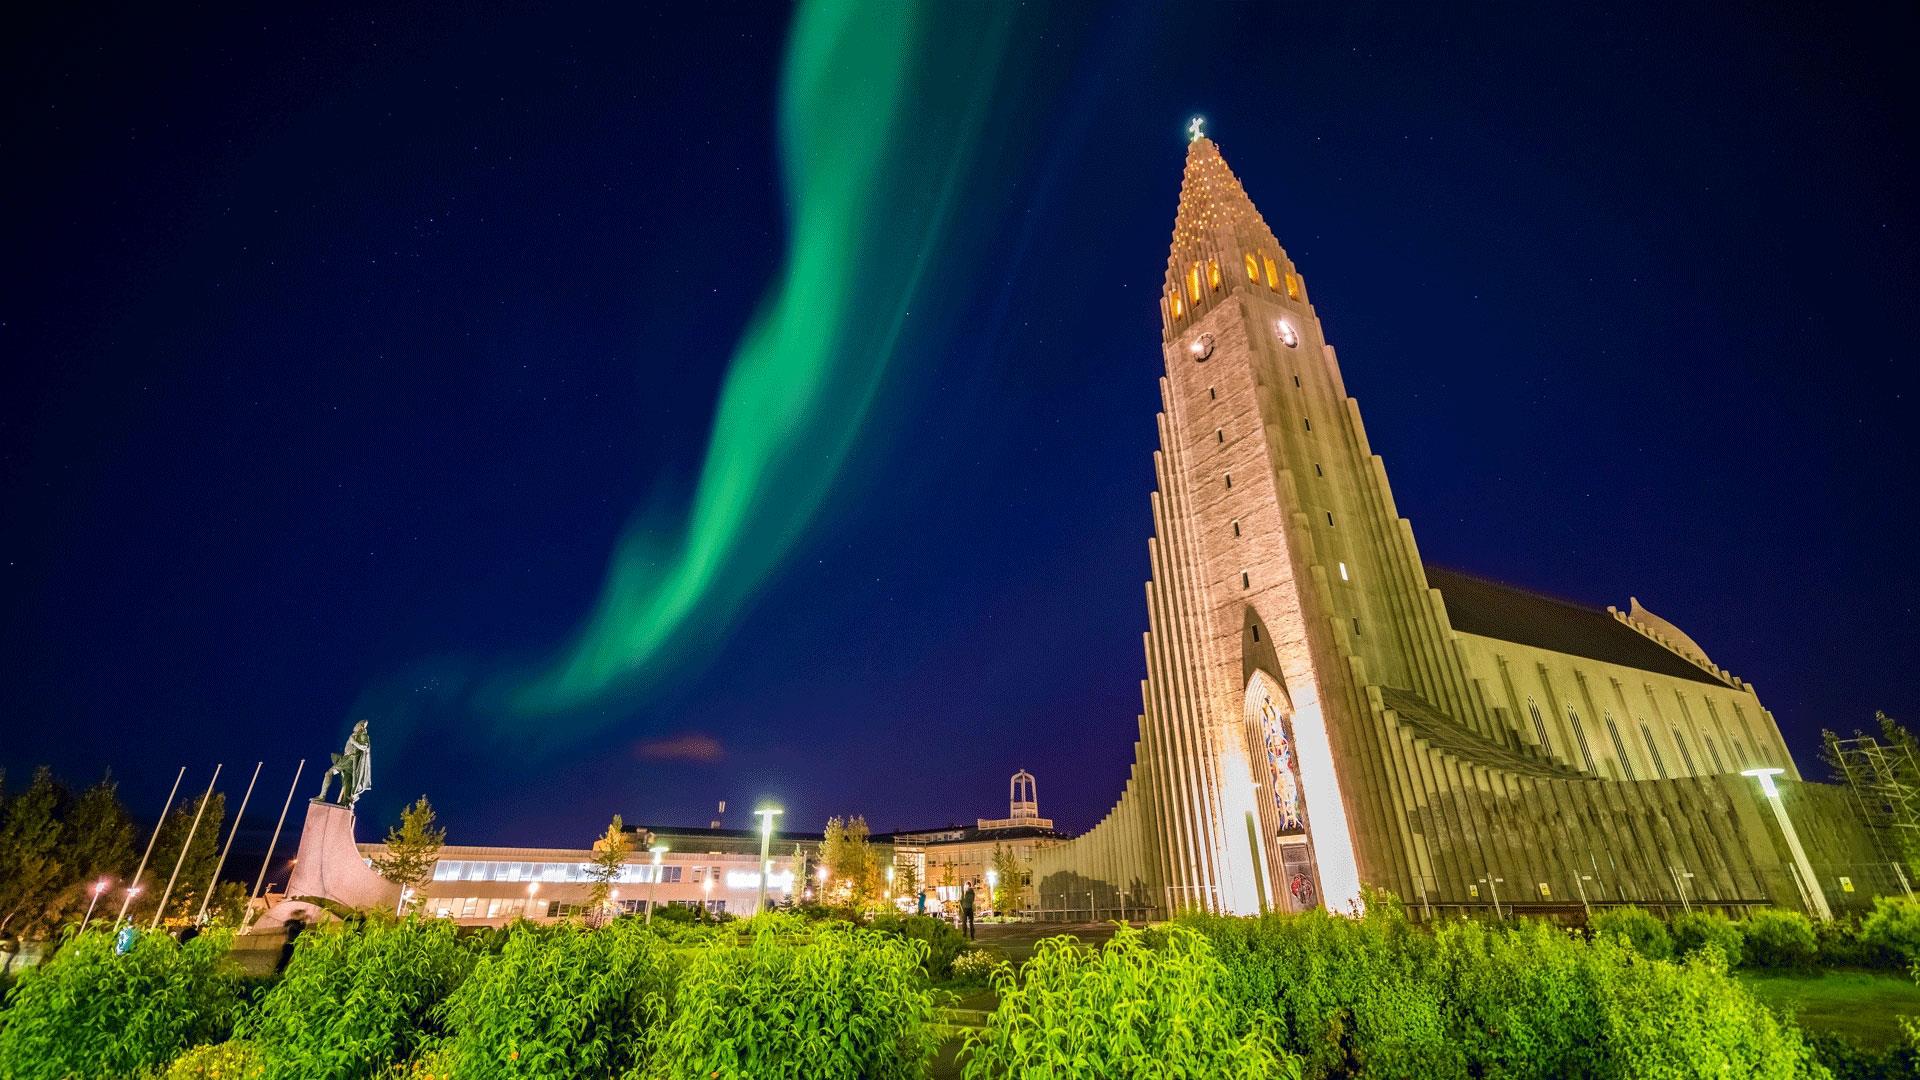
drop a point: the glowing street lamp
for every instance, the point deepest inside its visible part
(1809, 885)
(993, 885)
(98, 888)
(653, 885)
(766, 815)
(889, 882)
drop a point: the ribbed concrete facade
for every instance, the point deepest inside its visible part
(1312, 720)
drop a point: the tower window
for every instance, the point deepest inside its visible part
(1329, 519)
(1619, 746)
(1273, 274)
(1580, 735)
(1653, 751)
(1220, 436)
(1356, 626)
(1210, 394)
(1213, 274)
(1343, 572)
(1293, 286)
(1296, 381)
(1244, 582)
(1253, 268)
(1179, 309)
(1307, 421)
(1229, 481)
(1236, 528)
(1316, 469)
(1193, 283)
(1540, 727)
(1714, 752)
(1686, 755)
(1256, 633)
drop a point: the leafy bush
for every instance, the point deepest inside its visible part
(1660, 1019)
(1123, 1011)
(976, 967)
(1779, 939)
(1349, 995)
(88, 1012)
(944, 942)
(560, 1003)
(355, 1000)
(1696, 930)
(833, 1002)
(1847, 1060)
(1894, 926)
(234, 1060)
(1642, 929)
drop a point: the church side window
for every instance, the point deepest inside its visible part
(1686, 755)
(1620, 747)
(1539, 722)
(1273, 274)
(1253, 268)
(1580, 735)
(1714, 753)
(1653, 751)
(1245, 581)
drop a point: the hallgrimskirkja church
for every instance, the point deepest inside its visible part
(1324, 713)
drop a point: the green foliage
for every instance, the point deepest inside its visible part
(202, 854)
(1686, 1020)
(1779, 939)
(944, 942)
(561, 1003)
(835, 1003)
(412, 849)
(1847, 1060)
(854, 872)
(1125, 1010)
(90, 1013)
(355, 1000)
(1696, 930)
(237, 1059)
(1894, 926)
(1641, 928)
(30, 866)
(1347, 994)
(1012, 884)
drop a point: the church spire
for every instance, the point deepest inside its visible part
(1221, 244)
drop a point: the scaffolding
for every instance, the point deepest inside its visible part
(1884, 778)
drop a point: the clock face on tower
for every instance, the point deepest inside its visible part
(1201, 348)
(1288, 335)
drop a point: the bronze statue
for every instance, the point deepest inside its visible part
(354, 767)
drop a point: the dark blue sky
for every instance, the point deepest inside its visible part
(340, 348)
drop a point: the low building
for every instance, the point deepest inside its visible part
(946, 859)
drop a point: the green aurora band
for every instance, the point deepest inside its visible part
(882, 110)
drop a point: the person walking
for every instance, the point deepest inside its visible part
(966, 910)
(923, 900)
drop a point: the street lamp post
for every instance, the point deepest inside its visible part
(98, 888)
(993, 885)
(653, 883)
(766, 815)
(1809, 885)
(1493, 890)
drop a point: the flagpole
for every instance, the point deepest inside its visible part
(135, 883)
(185, 847)
(204, 900)
(275, 842)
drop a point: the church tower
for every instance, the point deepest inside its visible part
(1311, 718)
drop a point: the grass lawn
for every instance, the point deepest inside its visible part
(1863, 1006)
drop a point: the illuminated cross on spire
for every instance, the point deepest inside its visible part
(1193, 128)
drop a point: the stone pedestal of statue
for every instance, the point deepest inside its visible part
(329, 867)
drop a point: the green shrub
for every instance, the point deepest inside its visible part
(1641, 928)
(1894, 927)
(976, 967)
(1696, 930)
(1124, 1011)
(1779, 939)
(562, 1003)
(1683, 1020)
(91, 1013)
(356, 1000)
(944, 942)
(237, 1059)
(1350, 996)
(832, 1003)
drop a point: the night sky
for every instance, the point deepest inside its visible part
(341, 350)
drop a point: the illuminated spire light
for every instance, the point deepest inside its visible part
(1193, 128)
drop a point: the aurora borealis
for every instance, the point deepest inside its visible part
(651, 407)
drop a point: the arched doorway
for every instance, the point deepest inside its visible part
(1286, 854)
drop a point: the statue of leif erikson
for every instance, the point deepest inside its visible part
(354, 767)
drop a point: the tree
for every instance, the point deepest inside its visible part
(413, 847)
(30, 867)
(1013, 879)
(853, 867)
(906, 878)
(610, 854)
